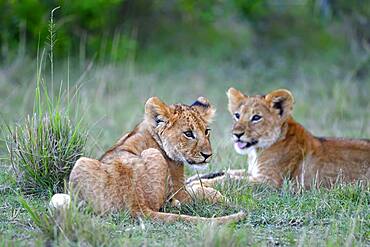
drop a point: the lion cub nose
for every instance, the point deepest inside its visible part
(238, 135)
(206, 156)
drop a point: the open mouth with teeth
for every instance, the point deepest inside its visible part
(245, 145)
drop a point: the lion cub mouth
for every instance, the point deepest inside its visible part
(245, 145)
(197, 166)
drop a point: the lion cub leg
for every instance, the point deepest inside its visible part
(211, 179)
(153, 178)
(106, 187)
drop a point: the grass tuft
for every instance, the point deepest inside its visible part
(43, 150)
(70, 225)
(45, 145)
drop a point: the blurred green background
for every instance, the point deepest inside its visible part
(120, 52)
(114, 28)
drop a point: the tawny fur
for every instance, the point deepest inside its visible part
(282, 148)
(146, 166)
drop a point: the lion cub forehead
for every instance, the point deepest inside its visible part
(255, 102)
(188, 115)
(257, 98)
(181, 109)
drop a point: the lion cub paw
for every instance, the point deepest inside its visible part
(175, 203)
(206, 193)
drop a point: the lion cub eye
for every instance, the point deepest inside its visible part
(189, 134)
(236, 115)
(256, 118)
(207, 132)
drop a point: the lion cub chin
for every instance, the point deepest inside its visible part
(145, 168)
(278, 147)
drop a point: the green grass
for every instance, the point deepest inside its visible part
(335, 217)
(43, 150)
(43, 147)
(330, 100)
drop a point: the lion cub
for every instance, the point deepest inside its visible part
(278, 147)
(146, 166)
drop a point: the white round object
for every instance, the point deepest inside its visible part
(59, 201)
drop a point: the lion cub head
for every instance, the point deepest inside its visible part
(258, 119)
(182, 131)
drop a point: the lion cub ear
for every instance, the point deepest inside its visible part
(204, 108)
(156, 111)
(281, 101)
(235, 99)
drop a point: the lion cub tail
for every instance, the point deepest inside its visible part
(169, 217)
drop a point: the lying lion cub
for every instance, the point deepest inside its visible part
(278, 147)
(146, 166)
